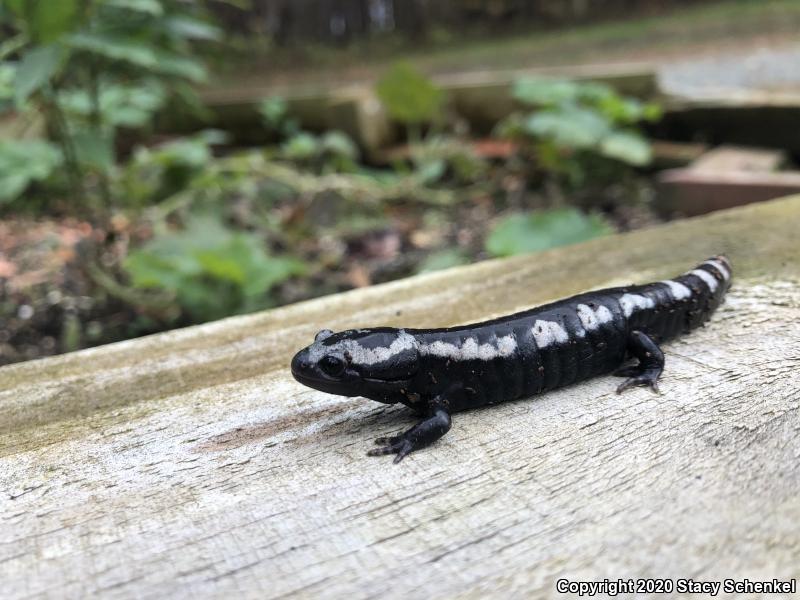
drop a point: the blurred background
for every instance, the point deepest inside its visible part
(168, 162)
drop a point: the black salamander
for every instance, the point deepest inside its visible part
(440, 371)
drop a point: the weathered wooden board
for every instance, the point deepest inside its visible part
(189, 464)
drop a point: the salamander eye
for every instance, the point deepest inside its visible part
(331, 365)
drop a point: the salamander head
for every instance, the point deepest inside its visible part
(374, 363)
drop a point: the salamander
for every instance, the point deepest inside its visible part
(437, 372)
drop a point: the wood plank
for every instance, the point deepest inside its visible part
(728, 158)
(190, 464)
(691, 192)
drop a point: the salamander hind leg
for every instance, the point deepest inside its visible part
(650, 366)
(420, 435)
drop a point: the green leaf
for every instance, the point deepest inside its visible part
(222, 266)
(410, 97)
(156, 173)
(131, 106)
(115, 47)
(150, 269)
(339, 144)
(138, 53)
(179, 66)
(302, 146)
(531, 232)
(652, 112)
(150, 7)
(192, 29)
(8, 73)
(540, 91)
(627, 147)
(47, 20)
(569, 126)
(12, 44)
(624, 111)
(22, 162)
(36, 68)
(17, 6)
(431, 170)
(120, 105)
(191, 152)
(212, 270)
(592, 92)
(94, 149)
(273, 110)
(269, 272)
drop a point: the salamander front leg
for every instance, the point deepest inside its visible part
(420, 435)
(651, 363)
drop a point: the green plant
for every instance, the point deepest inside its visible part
(22, 162)
(410, 98)
(440, 158)
(7, 76)
(274, 113)
(154, 174)
(211, 270)
(540, 230)
(331, 152)
(414, 101)
(580, 129)
(89, 67)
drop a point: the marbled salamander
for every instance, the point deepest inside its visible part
(440, 371)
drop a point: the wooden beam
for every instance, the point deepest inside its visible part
(191, 464)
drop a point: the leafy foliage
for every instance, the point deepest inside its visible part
(45, 21)
(35, 69)
(445, 158)
(6, 87)
(22, 162)
(409, 97)
(573, 124)
(540, 230)
(211, 270)
(89, 67)
(118, 105)
(332, 151)
(274, 113)
(157, 173)
(92, 68)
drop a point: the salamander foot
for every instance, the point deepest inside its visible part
(422, 434)
(649, 368)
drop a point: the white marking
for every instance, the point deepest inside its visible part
(678, 290)
(706, 277)
(470, 350)
(719, 266)
(604, 315)
(592, 319)
(631, 302)
(365, 356)
(548, 332)
(506, 345)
